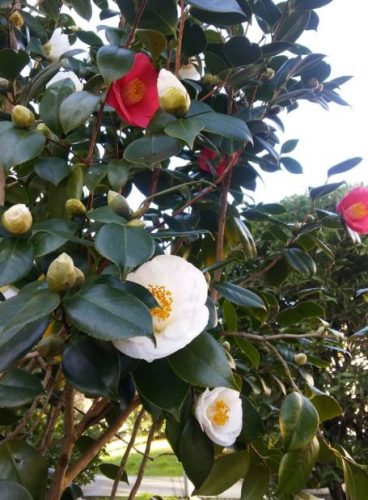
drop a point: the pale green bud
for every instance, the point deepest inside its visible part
(300, 359)
(61, 274)
(118, 204)
(17, 219)
(16, 19)
(22, 117)
(75, 207)
(173, 96)
(135, 223)
(79, 277)
(44, 129)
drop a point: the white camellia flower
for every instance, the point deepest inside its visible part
(181, 290)
(9, 291)
(189, 72)
(63, 75)
(57, 45)
(17, 219)
(220, 415)
(173, 96)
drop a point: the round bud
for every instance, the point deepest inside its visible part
(17, 219)
(268, 74)
(22, 117)
(75, 207)
(173, 96)
(16, 19)
(79, 277)
(310, 218)
(226, 345)
(61, 274)
(300, 359)
(74, 28)
(135, 223)
(118, 204)
(209, 79)
(4, 84)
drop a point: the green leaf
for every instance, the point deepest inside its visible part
(105, 215)
(51, 101)
(226, 126)
(108, 313)
(239, 51)
(16, 260)
(152, 149)
(12, 63)
(18, 387)
(291, 165)
(252, 423)
(158, 384)
(154, 41)
(203, 363)
(94, 175)
(111, 471)
(225, 472)
(51, 169)
(217, 6)
(51, 234)
(19, 145)
(298, 422)
(293, 25)
(300, 312)
(76, 109)
(344, 166)
(92, 366)
(117, 173)
(114, 62)
(127, 247)
(14, 491)
(196, 452)
(326, 406)
(217, 12)
(160, 15)
(20, 343)
(289, 145)
(300, 261)
(242, 297)
(83, 8)
(230, 317)
(320, 191)
(356, 479)
(296, 467)
(185, 129)
(194, 39)
(22, 464)
(256, 482)
(248, 349)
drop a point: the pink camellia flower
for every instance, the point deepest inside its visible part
(353, 208)
(212, 162)
(134, 96)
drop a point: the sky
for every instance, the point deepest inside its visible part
(325, 137)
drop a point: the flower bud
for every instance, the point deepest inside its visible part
(300, 359)
(118, 204)
(17, 219)
(79, 277)
(268, 74)
(61, 274)
(173, 96)
(4, 84)
(44, 129)
(75, 207)
(22, 117)
(50, 346)
(209, 79)
(16, 19)
(74, 28)
(135, 223)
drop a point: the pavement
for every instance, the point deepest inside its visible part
(163, 486)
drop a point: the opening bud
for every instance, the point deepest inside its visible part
(118, 204)
(173, 96)
(75, 207)
(300, 359)
(61, 274)
(17, 219)
(22, 117)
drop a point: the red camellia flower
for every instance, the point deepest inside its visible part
(353, 208)
(134, 96)
(210, 161)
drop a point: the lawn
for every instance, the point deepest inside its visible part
(163, 463)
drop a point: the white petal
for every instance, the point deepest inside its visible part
(189, 72)
(63, 75)
(167, 80)
(57, 45)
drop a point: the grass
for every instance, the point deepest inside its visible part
(164, 463)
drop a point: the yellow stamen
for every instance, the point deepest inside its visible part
(358, 210)
(164, 299)
(219, 412)
(133, 92)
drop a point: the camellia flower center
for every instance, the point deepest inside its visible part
(133, 92)
(358, 210)
(165, 300)
(219, 412)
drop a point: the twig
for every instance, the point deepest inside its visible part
(144, 461)
(47, 435)
(92, 416)
(133, 31)
(284, 365)
(180, 37)
(281, 336)
(126, 454)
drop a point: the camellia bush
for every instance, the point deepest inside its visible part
(199, 308)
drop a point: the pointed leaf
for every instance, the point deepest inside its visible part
(344, 166)
(18, 387)
(152, 149)
(114, 62)
(186, 130)
(19, 145)
(76, 109)
(16, 260)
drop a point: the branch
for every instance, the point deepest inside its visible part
(284, 365)
(180, 37)
(93, 450)
(281, 336)
(126, 454)
(92, 416)
(133, 31)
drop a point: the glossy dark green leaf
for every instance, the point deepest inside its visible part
(289, 146)
(159, 15)
(185, 130)
(51, 169)
(320, 191)
(311, 4)
(249, 351)
(296, 466)
(215, 13)
(196, 452)
(226, 126)
(225, 472)
(239, 51)
(252, 422)
(298, 421)
(12, 63)
(114, 62)
(22, 464)
(18, 387)
(14, 491)
(14, 347)
(111, 471)
(300, 261)
(158, 383)
(154, 41)
(217, 6)
(127, 247)
(51, 234)
(19, 145)
(230, 317)
(151, 149)
(108, 313)
(300, 312)
(293, 25)
(291, 165)
(203, 363)
(117, 173)
(94, 175)
(240, 296)
(194, 39)
(256, 482)
(76, 109)
(105, 215)
(16, 260)
(344, 166)
(326, 406)
(83, 8)
(51, 101)
(92, 366)
(278, 272)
